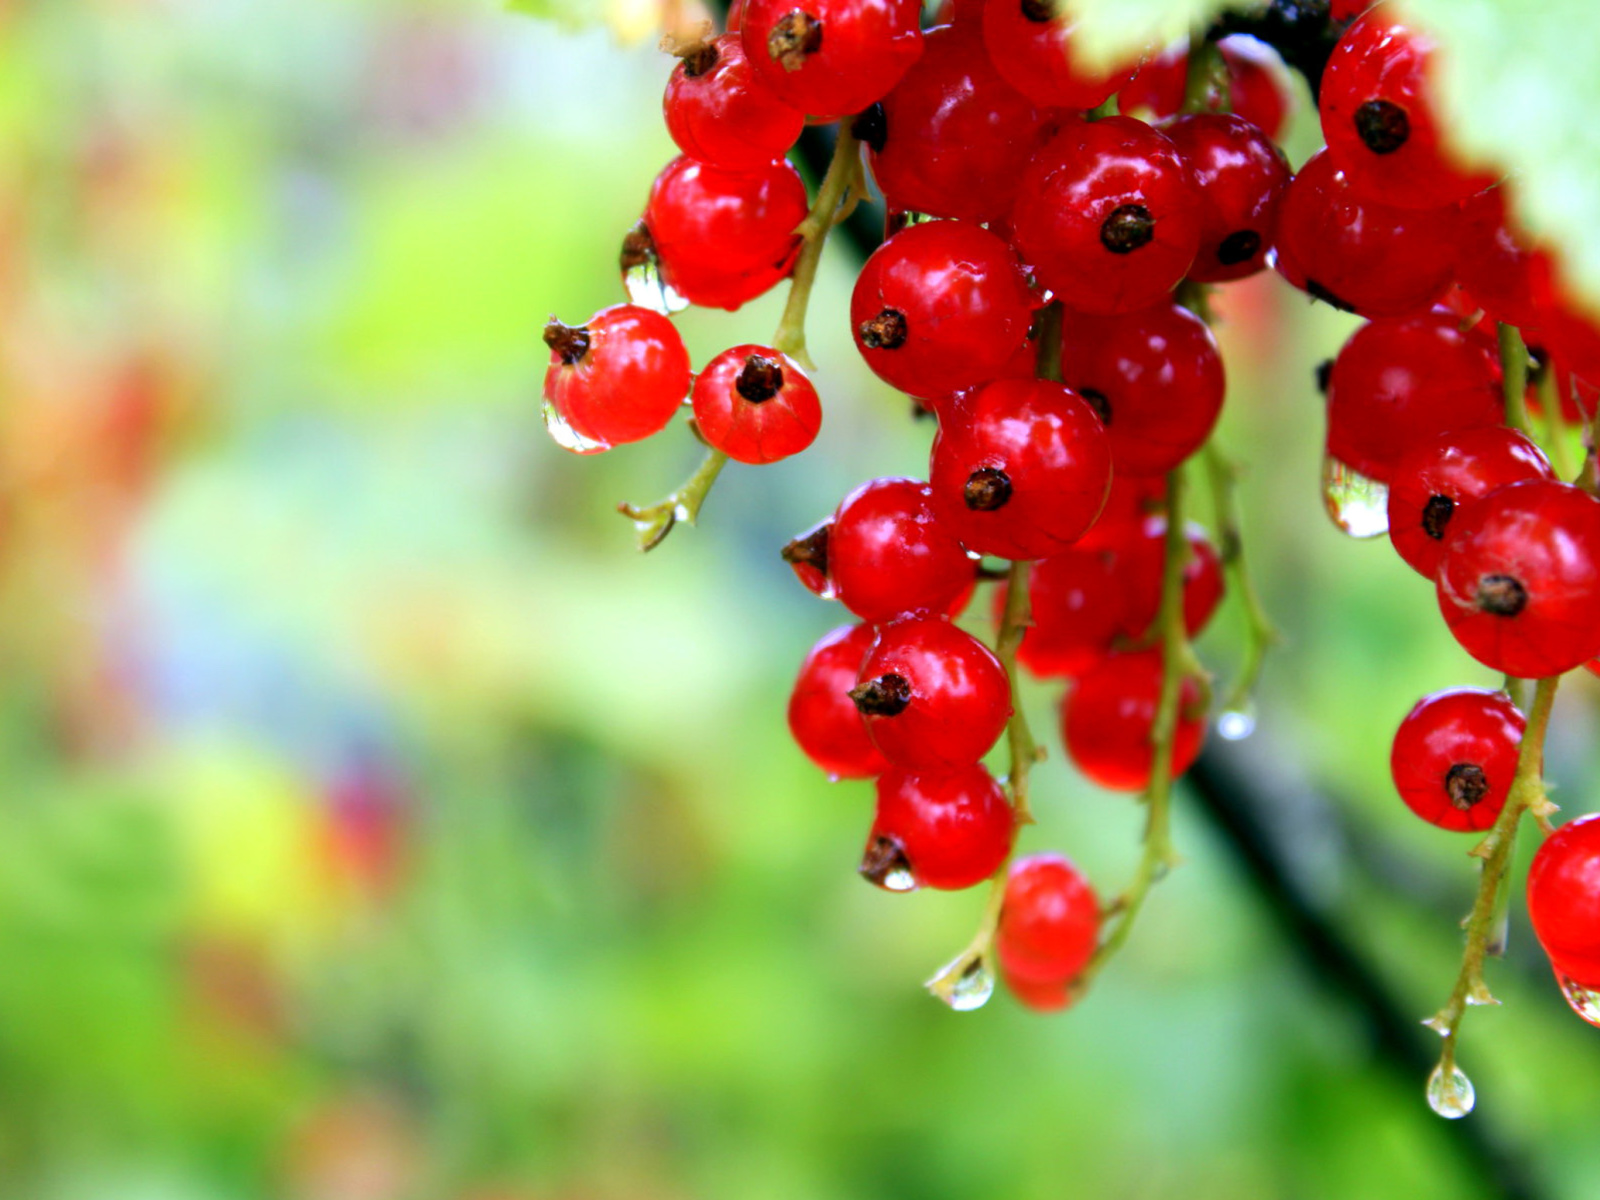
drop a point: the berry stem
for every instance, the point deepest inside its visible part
(653, 522)
(1527, 794)
(1260, 633)
(1514, 378)
(1555, 425)
(1178, 664)
(1049, 366)
(1204, 70)
(827, 210)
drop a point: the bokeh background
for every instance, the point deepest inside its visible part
(376, 823)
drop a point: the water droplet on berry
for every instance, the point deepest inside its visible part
(1356, 504)
(1451, 1097)
(647, 289)
(899, 879)
(1236, 724)
(566, 436)
(1584, 1001)
(971, 989)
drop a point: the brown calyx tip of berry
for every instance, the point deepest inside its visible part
(988, 488)
(809, 550)
(795, 37)
(1501, 595)
(1465, 784)
(886, 331)
(696, 46)
(1324, 375)
(1239, 246)
(760, 380)
(638, 248)
(1382, 126)
(1099, 401)
(1039, 10)
(1127, 228)
(885, 863)
(1436, 514)
(1317, 292)
(871, 127)
(886, 696)
(570, 343)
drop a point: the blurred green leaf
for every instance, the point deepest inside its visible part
(1110, 30)
(571, 13)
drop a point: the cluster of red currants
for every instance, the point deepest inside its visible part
(1042, 292)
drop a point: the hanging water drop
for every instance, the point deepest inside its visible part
(565, 436)
(1585, 1001)
(969, 990)
(1356, 504)
(1452, 1096)
(1236, 724)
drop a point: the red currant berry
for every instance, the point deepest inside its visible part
(946, 829)
(1494, 263)
(1436, 480)
(823, 719)
(1078, 603)
(1141, 562)
(1108, 715)
(1567, 326)
(756, 405)
(1399, 384)
(1107, 216)
(1240, 176)
(1030, 42)
(1362, 255)
(617, 378)
(1519, 580)
(1049, 920)
(940, 306)
(888, 552)
(735, 16)
(723, 237)
(831, 58)
(1154, 378)
(934, 697)
(953, 137)
(1379, 122)
(1564, 899)
(1050, 996)
(1022, 470)
(1132, 499)
(1455, 755)
(720, 114)
(1258, 88)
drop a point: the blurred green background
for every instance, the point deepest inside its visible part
(376, 823)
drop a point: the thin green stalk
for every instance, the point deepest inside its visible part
(1260, 633)
(1514, 376)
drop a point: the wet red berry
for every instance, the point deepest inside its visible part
(619, 377)
(1240, 176)
(1049, 920)
(756, 405)
(1258, 89)
(1108, 716)
(889, 553)
(1564, 899)
(1454, 757)
(825, 722)
(720, 114)
(831, 58)
(946, 829)
(1030, 42)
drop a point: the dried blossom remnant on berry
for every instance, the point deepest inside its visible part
(1502, 595)
(1099, 401)
(1129, 227)
(809, 551)
(1382, 126)
(795, 37)
(886, 331)
(570, 343)
(638, 248)
(988, 488)
(871, 127)
(696, 47)
(1239, 246)
(1436, 514)
(1039, 10)
(886, 696)
(760, 379)
(885, 860)
(1466, 785)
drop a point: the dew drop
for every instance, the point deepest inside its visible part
(566, 436)
(1585, 1001)
(972, 990)
(1236, 724)
(1452, 1097)
(1356, 504)
(647, 289)
(899, 879)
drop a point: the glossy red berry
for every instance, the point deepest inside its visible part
(1403, 383)
(722, 237)
(619, 377)
(720, 114)
(1257, 85)
(1454, 757)
(1568, 327)
(823, 719)
(934, 697)
(1141, 562)
(1437, 480)
(1494, 263)
(940, 306)
(1362, 255)
(1155, 379)
(1132, 499)
(889, 553)
(952, 138)
(1519, 580)
(1107, 216)
(1109, 713)
(1379, 122)
(1564, 899)
(1049, 920)
(1021, 470)
(1050, 996)
(1030, 42)
(831, 58)
(1079, 607)
(756, 405)
(945, 829)
(1240, 176)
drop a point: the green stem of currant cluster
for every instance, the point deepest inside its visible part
(654, 521)
(1260, 633)
(1178, 664)
(1555, 425)
(1527, 794)
(1204, 72)
(1514, 378)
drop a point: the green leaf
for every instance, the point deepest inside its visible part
(1110, 31)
